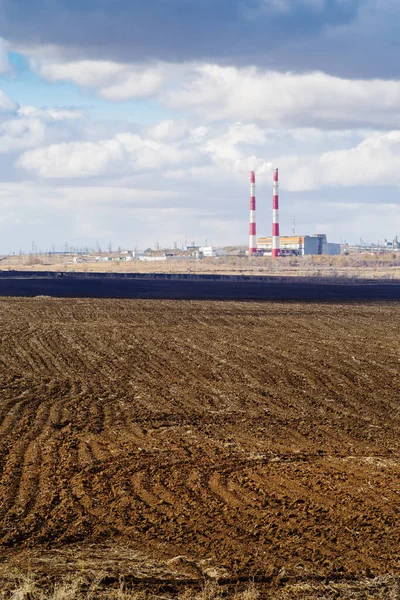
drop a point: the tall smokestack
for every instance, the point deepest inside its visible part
(253, 239)
(275, 216)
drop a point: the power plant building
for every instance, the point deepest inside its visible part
(300, 245)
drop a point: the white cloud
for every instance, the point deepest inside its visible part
(51, 114)
(137, 83)
(214, 153)
(75, 159)
(227, 150)
(84, 214)
(18, 134)
(222, 92)
(6, 104)
(30, 194)
(124, 153)
(167, 147)
(169, 130)
(112, 81)
(374, 161)
(283, 99)
(30, 127)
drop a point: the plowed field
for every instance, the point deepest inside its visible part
(209, 439)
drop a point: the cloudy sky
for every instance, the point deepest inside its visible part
(137, 121)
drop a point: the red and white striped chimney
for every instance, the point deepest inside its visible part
(275, 216)
(253, 238)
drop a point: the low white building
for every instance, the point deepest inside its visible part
(152, 258)
(211, 251)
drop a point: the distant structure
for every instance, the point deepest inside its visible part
(211, 252)
(299, 245)
(253, 235)
(394, 245)
(388, 246)
(275, 215)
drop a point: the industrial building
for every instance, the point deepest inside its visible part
(278, 245)
(300, 245)
(211, 252)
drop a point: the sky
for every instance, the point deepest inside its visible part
(136, 123)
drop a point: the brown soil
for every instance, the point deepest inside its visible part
(165, 440)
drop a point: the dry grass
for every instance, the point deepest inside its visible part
(379, 588)
(374, 266)
(26, 587)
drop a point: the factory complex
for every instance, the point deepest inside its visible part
(299, 245)
(277, 245)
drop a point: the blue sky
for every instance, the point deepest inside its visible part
(138, 122)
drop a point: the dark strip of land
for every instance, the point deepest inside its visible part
(190, 287)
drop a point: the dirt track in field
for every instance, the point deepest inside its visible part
(252, 439)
